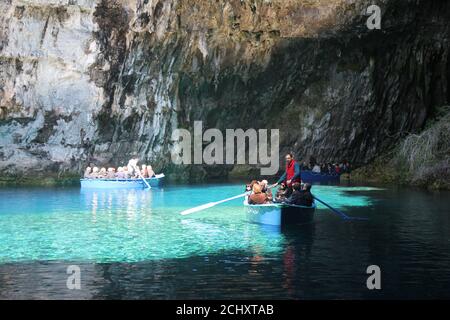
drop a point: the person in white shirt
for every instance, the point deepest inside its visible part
(87, 173)
(94, 174)
(131, 167)
(316, 168)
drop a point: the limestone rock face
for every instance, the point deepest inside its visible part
(97, 81)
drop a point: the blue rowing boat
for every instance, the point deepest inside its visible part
(156, 181)
(309, 176)
(279, 214)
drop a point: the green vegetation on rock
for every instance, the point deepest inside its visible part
(420, 159)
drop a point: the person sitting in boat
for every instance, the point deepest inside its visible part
(150, 172)
(136, 174)
(312, 161)
(292, 173)
(280, 196)
(87, 173)
(304, 166)
(265, 189)
(126, 173)
(94, 174)
(257, 196)
(120, 174)
(337, 169)
(301, 196)
(102, 174)
(111, 173)
(307, 198)
(249, 187)
(144, 171)
(330, 168)
(346, 167)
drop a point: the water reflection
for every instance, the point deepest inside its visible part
(130, 200)
(135, 244)
(297, 253)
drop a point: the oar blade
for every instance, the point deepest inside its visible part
(199, 208)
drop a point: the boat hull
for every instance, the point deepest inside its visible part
(279, 214)
(121, 183)
(309, 176)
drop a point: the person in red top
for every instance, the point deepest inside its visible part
(337, 168)
(292, 173)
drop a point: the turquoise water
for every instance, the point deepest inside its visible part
(134, 244)
(136, 225)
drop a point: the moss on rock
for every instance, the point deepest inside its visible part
(420, 159)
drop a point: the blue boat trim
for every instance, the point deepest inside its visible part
(309, 176)
(155, 181)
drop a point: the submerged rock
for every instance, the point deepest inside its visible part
(100, 81)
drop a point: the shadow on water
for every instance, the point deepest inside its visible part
(225, 275)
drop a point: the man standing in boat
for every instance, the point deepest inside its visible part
(292, 173)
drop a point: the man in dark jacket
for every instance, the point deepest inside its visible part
(301, 197)
(307, 197)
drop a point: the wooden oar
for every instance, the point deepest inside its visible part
(343, 215)
(140, 175)
(211, 204)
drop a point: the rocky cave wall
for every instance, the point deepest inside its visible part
(93, 81)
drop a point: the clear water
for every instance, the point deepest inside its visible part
(135, 244)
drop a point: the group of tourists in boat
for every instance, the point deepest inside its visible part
(291, 190)
(331, 168)
(130, 171)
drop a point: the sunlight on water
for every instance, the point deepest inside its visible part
(341, 197)
(136, 225)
